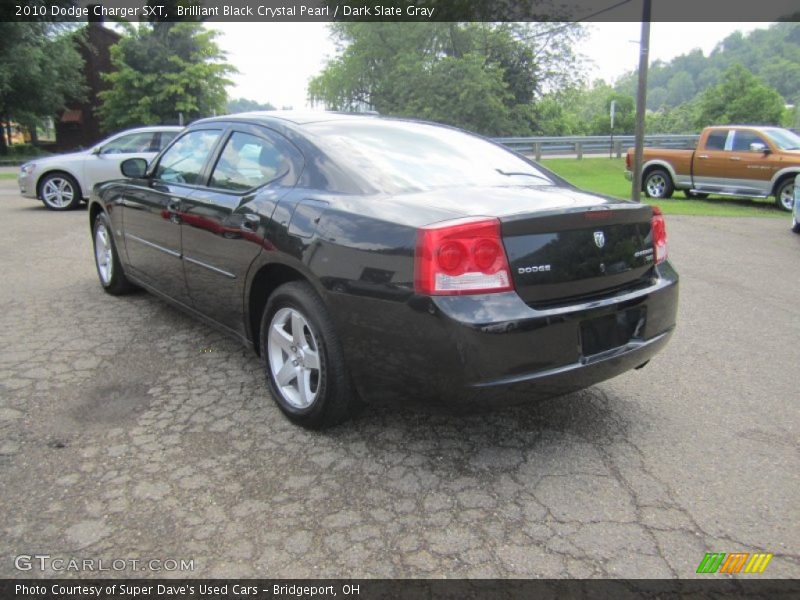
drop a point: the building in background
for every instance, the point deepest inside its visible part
(77, 126)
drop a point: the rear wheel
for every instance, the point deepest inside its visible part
(60, 191)
(784, 194)
(658, 184)
(106, 259)
(303, 358)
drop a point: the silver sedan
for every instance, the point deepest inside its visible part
(62, 181)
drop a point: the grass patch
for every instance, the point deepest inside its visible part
(8, 175)
(606, 176)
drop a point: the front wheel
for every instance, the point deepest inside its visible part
(784, 194)
(303, 358)
(658, 184)
(60, 191)
(106, 259)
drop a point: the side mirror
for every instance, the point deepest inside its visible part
(135, 168)
(759, 147)
(96, 150)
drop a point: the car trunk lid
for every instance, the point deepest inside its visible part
(579, 254)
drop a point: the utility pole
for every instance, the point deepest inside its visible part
(641, 100)
(613, 109)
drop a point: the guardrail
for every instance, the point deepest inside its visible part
(592, 144)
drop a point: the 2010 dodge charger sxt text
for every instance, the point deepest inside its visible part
(355, 253)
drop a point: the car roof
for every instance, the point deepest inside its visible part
(291, 116)
(755, 127)
(149, 128)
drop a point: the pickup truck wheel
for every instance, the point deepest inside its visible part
(303, 358)
(784, 194)
(658, 184)
(695, 195)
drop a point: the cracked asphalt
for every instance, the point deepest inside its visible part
(130, 431)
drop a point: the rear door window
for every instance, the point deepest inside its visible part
(716, 140)
(248, 162)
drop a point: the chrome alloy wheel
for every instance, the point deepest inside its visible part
(103, 254)
(656, 185)
(786, 197)
(294, 358)
(58, 192)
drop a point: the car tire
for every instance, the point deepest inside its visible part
(106, 258)
(60, 191)
(695, 195)
(658, 184)
(303, 358)
(784, 194)
(795, 225)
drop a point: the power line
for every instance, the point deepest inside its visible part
(586, 18)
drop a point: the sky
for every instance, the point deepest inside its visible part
(276, 60)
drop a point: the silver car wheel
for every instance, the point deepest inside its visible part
(294, 358)
(656, 184)
(58, 192)
(103, 254)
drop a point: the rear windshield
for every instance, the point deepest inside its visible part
(401, 156)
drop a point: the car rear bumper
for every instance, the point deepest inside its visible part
(495, 347)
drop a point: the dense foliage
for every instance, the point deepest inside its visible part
(41, 72)
(481, 76)
(163, 70)
(513, 79)
(244, 105)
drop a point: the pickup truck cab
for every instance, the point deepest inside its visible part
(730, 160)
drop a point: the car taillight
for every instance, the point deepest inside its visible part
(658, 228)
(464, 256)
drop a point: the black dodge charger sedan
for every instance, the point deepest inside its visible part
(356, 253)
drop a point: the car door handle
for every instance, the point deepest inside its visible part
(250, 222)
(702, 156)
(736, 158)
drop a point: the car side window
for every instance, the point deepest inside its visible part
(130, 144)
(166, 138)
(185, 159)
(246, 162)
(743, 139)
(716, 140)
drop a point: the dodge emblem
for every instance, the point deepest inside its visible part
(599, 239)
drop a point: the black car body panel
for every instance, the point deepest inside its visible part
(599, 310)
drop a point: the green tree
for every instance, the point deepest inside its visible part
(479, 76)
(245, 105)
(163, 69)
(41, 72)
(740, 98)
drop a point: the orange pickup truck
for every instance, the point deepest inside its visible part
(730, 160)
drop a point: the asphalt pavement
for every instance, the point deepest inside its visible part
(129, 431)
